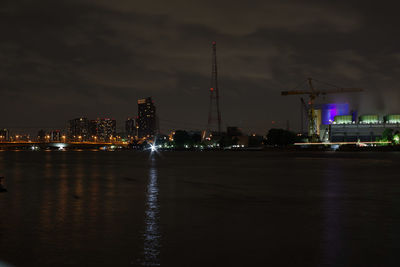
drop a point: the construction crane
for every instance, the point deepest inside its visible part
(313, 94)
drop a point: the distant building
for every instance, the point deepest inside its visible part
(146, 121)
(368, 128)
(78, 129)
(41, 136)
(93, 130)
(242, 141)
(104, 129)
(4, 135)
(22, 137)
(130, 127)
(55, 136)
(328, 112)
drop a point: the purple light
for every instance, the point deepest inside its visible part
(329, 111)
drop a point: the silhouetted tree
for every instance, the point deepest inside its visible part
(387, 135)
(181, 138)
(281, 137)
(196, 138)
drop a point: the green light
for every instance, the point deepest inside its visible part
(343, 119)
(368, 119)
(392, 118)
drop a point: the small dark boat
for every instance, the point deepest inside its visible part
(2, 187)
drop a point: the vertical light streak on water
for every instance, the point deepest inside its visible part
(331, 208)
(152, 232)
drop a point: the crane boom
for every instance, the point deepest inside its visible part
(296, 93)
(322, 92)
(341, 90)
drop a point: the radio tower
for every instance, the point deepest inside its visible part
(214, 113)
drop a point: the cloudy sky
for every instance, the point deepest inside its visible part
(64, 59)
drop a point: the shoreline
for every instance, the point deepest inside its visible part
(322, 148)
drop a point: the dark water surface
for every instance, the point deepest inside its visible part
(200, 209)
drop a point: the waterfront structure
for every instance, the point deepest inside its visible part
(20, 137)
(368, 128)
(146, 120)
(104, 129)
(313, 129)
(324, 115)
(92, 129)
(55, 136)
(392, 118)
(78, 129)
(130, 127)
(4, 135)
(41, 136)
(331, 110)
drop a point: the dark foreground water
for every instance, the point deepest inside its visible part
(200, 209)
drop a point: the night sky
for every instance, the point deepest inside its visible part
(65, 59)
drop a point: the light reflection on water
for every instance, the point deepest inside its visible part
(152, 232)
(72, 207)
(332, 235)
(94, 209)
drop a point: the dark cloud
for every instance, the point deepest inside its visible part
(96, 57)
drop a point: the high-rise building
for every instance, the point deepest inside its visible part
(93, 129)
(41, 136)
(55, 136)
(4, 135)
(105, 129)
(78, 129)
(146, 121)
(130, 127)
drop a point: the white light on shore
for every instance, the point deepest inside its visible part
(153, 148)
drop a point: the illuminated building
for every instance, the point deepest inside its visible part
(78, 129)
(393, 118)
(369, 119)
(325, 114)
(4, 135)
(92, 129)
(146, 121)
(130, 127)
(105, 129)
(55, 136)
(368, 128)
(318, 120)
(343, 119)
(329, 111)
(41, 136)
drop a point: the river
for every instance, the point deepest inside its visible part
(128, 208)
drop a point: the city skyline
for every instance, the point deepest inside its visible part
(199, 133)
(94, 59)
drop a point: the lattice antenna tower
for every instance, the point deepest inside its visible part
(214, 114)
